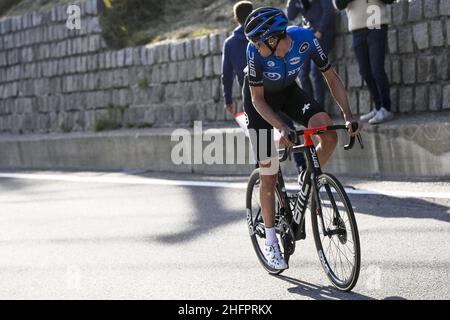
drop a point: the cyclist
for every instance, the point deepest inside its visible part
(234, 61)
(275, 55)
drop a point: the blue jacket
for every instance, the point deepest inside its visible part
(233, 61)
(319, 15)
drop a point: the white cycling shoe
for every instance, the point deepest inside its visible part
(274, 257)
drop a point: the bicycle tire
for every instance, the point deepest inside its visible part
(325, 255)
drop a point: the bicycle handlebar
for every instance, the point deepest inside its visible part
(315, 131)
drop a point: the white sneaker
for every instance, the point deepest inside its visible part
(366, 117)
(382, 116)
(274, 257)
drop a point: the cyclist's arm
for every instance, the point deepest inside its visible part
(335, 84)
(339, 93)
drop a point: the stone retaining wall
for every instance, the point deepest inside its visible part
(53, 79)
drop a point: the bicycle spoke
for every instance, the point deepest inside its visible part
(337, 247)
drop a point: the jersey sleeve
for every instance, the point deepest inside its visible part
(254, 69)
(317, 53)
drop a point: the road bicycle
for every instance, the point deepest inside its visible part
(333, 220)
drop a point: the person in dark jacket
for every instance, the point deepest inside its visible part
(320, 16)
(234, 61)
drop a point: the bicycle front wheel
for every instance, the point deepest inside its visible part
(336, 233)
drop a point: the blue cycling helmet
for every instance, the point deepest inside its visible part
(264, 23)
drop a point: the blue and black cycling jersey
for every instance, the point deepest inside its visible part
(275, 73)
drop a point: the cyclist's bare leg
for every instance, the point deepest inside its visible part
(327, 140)
(268, 176)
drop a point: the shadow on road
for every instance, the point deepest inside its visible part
(9, 184)
(391, 207)
(210, 215)
(315, 292)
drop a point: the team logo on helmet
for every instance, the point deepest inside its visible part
(304, 47)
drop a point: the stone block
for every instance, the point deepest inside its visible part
(446, 95)
(217, 65)
(173, 72)
(431, 8)
(435, 97)
(409, 70)
(448, 32)
(406, 42)
(394, 99)
(365, 101)
(406, 99)
(444, 8)
(183, 70)
(157, 93)
(442, 65)
(177, 51)
(129, 57)
(215, 46)
(421, 36)
(421, 101)
(120, 56)
(354, 77)
(437, 34)
(162, 53)
(392, 41)
(209, 67)
(91, 7)
(204, 45)
(415, 10)
(198, 68)
(189, 49)
(94, 43)
(426, 69)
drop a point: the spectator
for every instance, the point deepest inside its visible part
(234, 61)
(370, 50)
(320, 16)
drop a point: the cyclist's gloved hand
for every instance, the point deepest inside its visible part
(355, 129)
(288, 137)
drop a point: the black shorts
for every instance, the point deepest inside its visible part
(292, 101)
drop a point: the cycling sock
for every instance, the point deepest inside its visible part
(271, 236)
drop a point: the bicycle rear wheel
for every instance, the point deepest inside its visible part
(256, 224)
(337, 238)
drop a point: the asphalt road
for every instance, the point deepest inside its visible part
(118, 236)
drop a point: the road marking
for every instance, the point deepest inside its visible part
(210, 184)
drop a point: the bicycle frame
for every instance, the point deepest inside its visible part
(313, 165)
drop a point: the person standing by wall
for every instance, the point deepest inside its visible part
(370, 43)
(234, 61)
(320, 16)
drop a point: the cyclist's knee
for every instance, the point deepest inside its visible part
(330, 138)
(269, 167)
